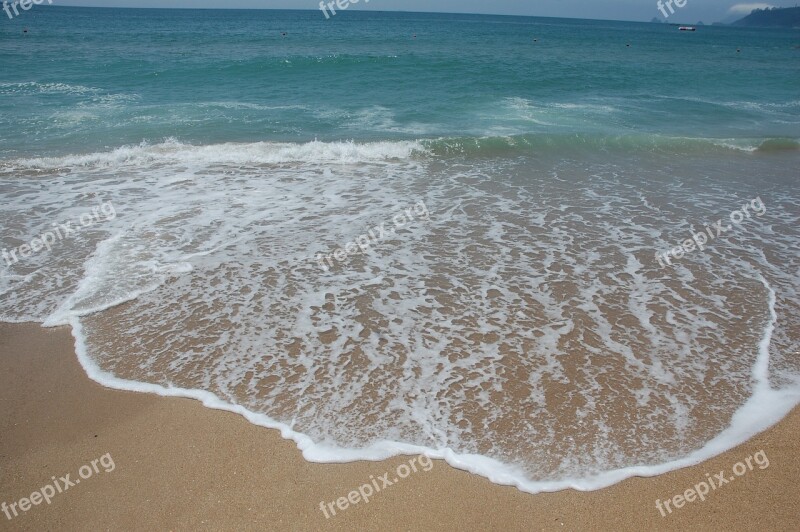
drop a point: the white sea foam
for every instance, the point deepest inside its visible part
(762, 410)
(46, 88)
(501, 335)
(175, 152)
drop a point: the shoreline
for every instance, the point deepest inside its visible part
(179, 464)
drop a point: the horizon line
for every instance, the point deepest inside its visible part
(363, 11)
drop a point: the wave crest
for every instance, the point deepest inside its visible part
(175, 152)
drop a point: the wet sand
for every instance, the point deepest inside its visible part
(181, 466)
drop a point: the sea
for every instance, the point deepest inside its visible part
(556, 253)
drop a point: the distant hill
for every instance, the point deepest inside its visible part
(777, 17)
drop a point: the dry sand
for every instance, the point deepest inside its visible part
(181, 466)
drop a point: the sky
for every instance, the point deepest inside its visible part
(694, 10)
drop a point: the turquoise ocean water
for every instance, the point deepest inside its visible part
(88, 79)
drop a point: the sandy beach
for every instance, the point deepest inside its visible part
(180, 466)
